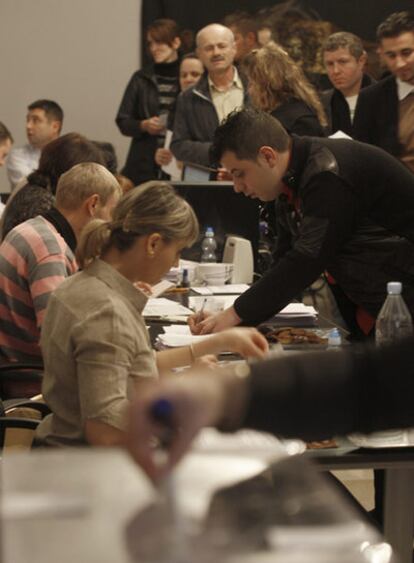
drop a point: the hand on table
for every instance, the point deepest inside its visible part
(206, 323)
(248, 342)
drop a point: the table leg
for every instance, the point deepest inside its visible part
(399, 512)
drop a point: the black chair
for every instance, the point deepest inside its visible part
(20, 379)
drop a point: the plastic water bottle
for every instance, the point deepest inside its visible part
(208, 246)
(334, 339)
(394, 320)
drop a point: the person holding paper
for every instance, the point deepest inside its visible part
(147, 101)
(191, 69)
(95, 345)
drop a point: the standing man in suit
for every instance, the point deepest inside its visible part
(344, 59)
(385, 111)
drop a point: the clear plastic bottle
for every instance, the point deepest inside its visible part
(334, 339)
(208, 246)
(394, 320)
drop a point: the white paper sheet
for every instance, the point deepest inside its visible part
(176, 340)
(234, 288)
(162, 307)
(161, 287)
(172, 168)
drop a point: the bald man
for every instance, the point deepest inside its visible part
(201, 108)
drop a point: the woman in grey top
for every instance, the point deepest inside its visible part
(94, 341)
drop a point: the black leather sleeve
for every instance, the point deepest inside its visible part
(318, 395)
(329, 217)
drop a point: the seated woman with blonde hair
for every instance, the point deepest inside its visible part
(279, 86)
(95, 344)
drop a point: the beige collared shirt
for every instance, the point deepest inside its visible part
(94, 343)
(226, 101)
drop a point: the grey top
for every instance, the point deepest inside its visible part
(95, 345)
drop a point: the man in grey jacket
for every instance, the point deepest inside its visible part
(220, 90)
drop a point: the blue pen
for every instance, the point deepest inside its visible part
(162, 412)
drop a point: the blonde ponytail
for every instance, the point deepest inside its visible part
(93, 241)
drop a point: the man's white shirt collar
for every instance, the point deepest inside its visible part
(404, 88)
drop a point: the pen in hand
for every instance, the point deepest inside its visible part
(199, 314)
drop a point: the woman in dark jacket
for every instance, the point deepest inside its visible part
(149, 97)
(278, 85)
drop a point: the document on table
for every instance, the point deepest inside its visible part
(296, 314)
(232, 288)
(161, 287)
(162, 307)
(211, 303)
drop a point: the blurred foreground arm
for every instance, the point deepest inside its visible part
(310, 396)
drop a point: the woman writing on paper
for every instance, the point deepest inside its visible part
(94, 341)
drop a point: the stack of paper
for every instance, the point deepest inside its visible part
(178, 335)
(232, 288)
(211, 304)
(161, 307)
(296, 314)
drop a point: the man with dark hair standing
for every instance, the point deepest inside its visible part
(385, 111)
(43, 124)
(344, 58)
(335, 198)
(245, 29)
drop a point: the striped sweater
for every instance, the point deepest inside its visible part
(34, 260)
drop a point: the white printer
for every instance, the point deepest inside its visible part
(238, 251)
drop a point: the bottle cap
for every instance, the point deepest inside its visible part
(394, 288)
(209, 231)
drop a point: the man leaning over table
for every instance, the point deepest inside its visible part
(341, 207)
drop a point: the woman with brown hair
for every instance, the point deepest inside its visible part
(95, 345)
(37, 196)
(148, 100)
(278, 85)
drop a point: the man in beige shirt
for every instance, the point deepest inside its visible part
(221, 90)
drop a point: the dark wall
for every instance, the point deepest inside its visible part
(359, 16)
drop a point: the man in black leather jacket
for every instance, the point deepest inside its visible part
(343, 207)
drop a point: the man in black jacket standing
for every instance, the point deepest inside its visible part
(385, 111)
(343, 207)
(218, 92)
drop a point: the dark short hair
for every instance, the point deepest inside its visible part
(60, 155)
(52, 110)
(243, 22)
(5, 133)
(396, 24)
(344, 40)
(163, 30)
(244, 132)
(109, 154)
(37, 196)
